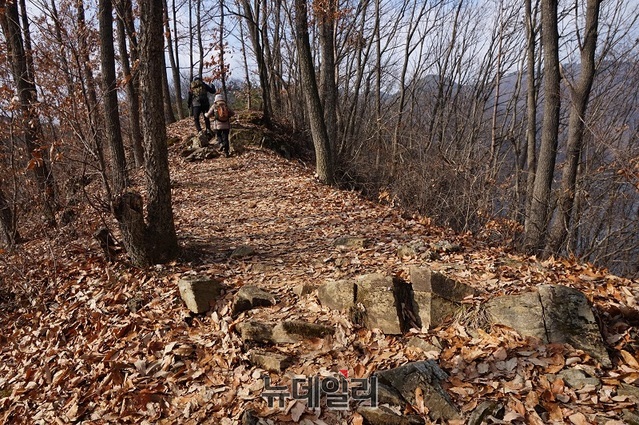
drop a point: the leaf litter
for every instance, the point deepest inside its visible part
(73, 351)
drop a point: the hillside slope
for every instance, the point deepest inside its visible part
(86, 341)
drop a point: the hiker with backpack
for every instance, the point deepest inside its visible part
(221, 114)
(198, 101)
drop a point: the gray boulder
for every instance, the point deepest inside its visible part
(249, 297)
(554, 314)
(338, 295)
(199, 292)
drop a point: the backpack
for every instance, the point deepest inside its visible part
(221, 112)
(197, 88)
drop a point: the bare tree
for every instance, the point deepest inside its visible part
(26, 92)
(155, 242)
(579, 95)
(538, 219)
(323, 153)
(119, 176)
(131, 81)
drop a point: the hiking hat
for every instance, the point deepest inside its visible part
(219, 98)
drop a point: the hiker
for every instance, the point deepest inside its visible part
(221, 114)
(198, 101)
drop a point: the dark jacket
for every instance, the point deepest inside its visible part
(201, 100)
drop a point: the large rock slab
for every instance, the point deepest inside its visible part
(273, 362)
(375, 292)
(249, 297)
(554, 314)
(286, 332)
(338, 295)
(436, 296)
(199, 292)
(522, 312)
(426, 376)
(385, 416)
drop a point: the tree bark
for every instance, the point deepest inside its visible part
(327, 71)
(174, 62)
(531, 106)
(119, 177)
(539, 207)
(580, 96)
(130, 79)
(254, 32)
(161, 229)
(323, 153)
(30, 123)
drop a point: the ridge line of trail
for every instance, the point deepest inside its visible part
(276, 207)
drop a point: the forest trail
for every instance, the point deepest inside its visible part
(75, 350)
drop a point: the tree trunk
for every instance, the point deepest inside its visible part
(254, 32)
(130, 84)
(30, 123)
(539, 207)
(323, 153)
(174, 61)
(531, 106)
(327, 71)
(580, 95)
(111, 111)
(7, 222)
(169, 116)
(160, 233)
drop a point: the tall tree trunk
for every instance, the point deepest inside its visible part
(169, 116)
(30, 123)
(252, 19)
(157, 241)
(323, 153)
(94, 115)
(130, 84)
(539, 207)
(221, 42)
(531, 104)
(175, 70)
(580, 95)
(327, 71)
(7, 222)
(111, 110)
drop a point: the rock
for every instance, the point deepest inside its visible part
(303, 289)
(389, 395)
(630, 417)
(375, 292)
(282, 333)
(249, 418)
(273, 362)
(628, 390)
(436, 297)
(249, 297)
(298, 330)
(577, 379)
(407, 251)
(199, 153)
(554, 314)
(243, 251)
(198, 292)
(427, 376)
(423, 345)
(522, 312)
(135, 303)
(568, 317)
(483, 411)
(446, 246)
(385, 416)
(338, 295)
(351, 242)
(255, 331)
